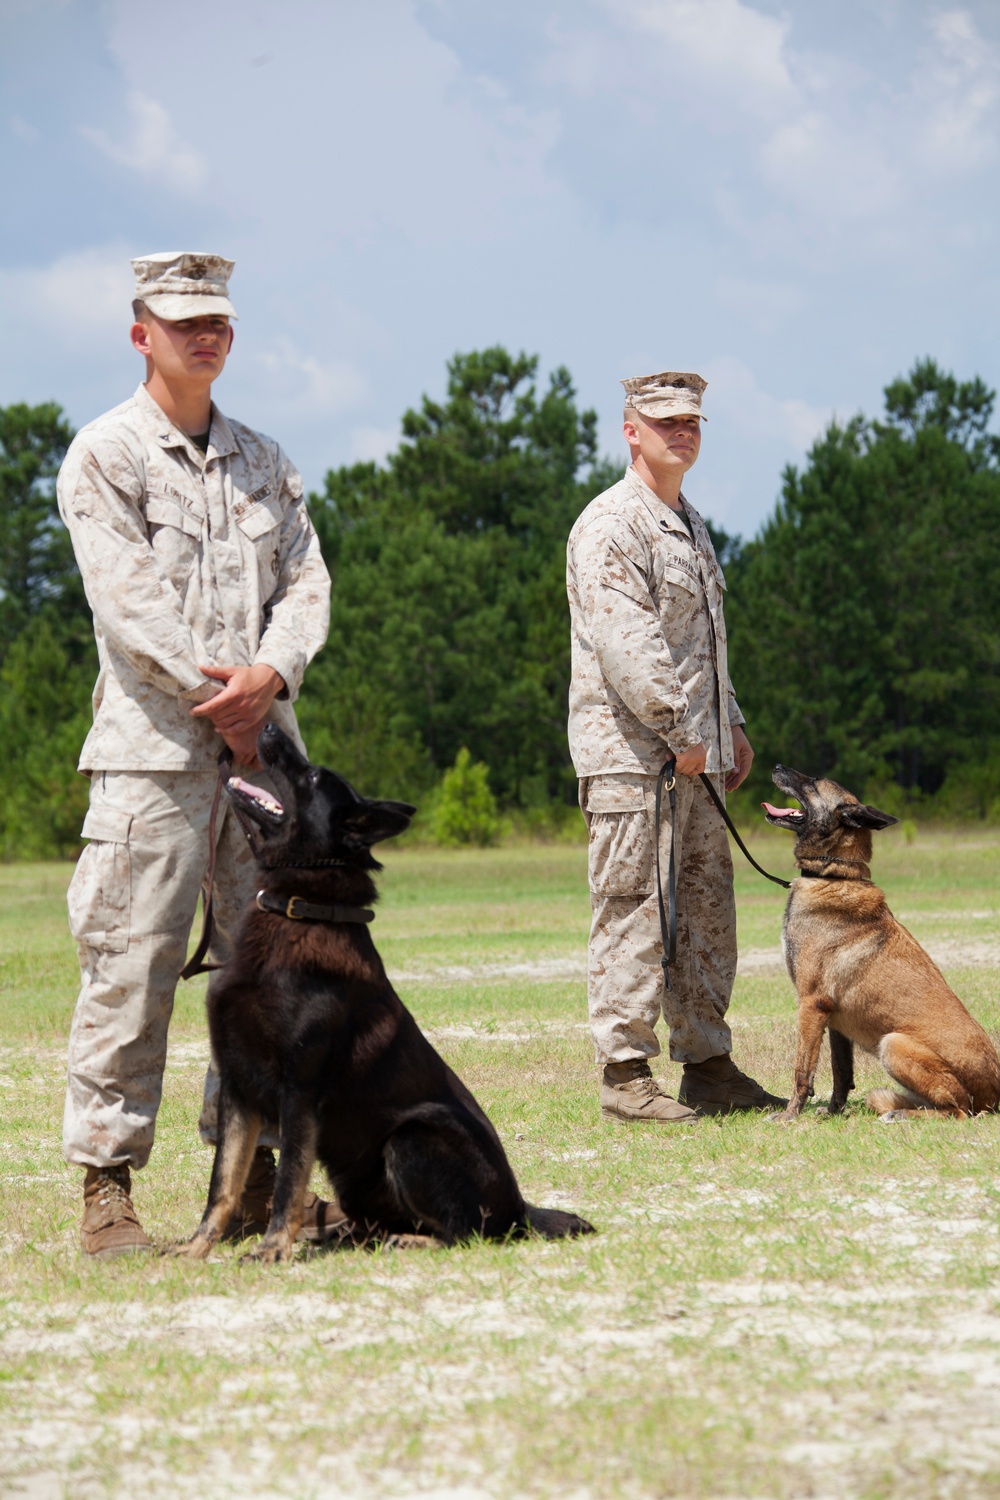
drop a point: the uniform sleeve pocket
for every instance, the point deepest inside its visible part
(625, 574)
(99, 896)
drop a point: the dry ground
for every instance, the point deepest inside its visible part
(766, 1312)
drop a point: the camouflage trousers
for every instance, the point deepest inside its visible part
(626, 993)
(132, 901)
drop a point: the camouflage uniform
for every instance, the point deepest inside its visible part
(649, 675)
(185, 558)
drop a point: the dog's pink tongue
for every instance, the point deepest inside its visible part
(778, 812)
(257, 792)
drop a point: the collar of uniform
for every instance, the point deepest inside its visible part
(222, 442)
(663, 514)
(168, 435)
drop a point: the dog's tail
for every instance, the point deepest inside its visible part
(902, 1102)
(555, 1223)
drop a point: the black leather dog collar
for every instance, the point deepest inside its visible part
(300, 910)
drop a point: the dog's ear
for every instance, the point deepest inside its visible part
(375, 821)
(863, 816)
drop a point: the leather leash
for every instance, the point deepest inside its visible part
(732, 829)
(668, 913)
(195, 964)
(668, 927)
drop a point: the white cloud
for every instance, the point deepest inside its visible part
(153, 149)
(381, 131)
(731, 45)
(373, 444)
(77, 293)
(829, 170)
(312, 386)
(735, 394)
(765, 305)
(821, 145)
(958, 94)
(24, 131)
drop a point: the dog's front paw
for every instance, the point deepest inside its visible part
(267, 1255)
(196, 1248)
(413, 1242)
(783, 1117)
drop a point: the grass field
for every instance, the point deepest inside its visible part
(766, 1311)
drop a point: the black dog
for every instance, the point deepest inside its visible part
(308, 1031)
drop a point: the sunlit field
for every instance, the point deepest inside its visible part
(766, 1311)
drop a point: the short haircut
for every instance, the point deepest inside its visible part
(139, 310)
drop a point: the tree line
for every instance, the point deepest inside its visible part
(864, 618)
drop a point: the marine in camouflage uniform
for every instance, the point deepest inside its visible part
(650, 679)
(199, 561)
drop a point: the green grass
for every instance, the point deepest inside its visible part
(766, 1311)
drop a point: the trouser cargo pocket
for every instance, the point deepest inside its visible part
(99, 896)
(620, 858)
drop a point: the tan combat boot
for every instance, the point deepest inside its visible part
(110, 1224)
(321, 1221)
(717, 1087)
(631, 1093)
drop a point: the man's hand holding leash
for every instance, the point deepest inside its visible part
(239, 712)
(691, 762)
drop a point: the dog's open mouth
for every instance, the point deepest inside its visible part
(260, 805)
(789, 816)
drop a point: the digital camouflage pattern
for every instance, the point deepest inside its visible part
(186, 558)
(650, 667)
(668, 394)
(132, 901)
(184, 284)
(626, 993)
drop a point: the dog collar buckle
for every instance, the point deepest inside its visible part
(259, 902)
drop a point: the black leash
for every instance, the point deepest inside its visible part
(668, 914)
(668, 927)
(732, 829)
(195, 964)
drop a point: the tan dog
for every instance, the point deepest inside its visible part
(859, 972)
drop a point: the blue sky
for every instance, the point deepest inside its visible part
(795, 200)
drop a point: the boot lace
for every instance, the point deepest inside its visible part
(114, 1200)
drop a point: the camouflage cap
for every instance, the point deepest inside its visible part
(669, 394)
(176, 284)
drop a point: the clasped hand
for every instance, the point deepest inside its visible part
(240, 711)
(692, 762)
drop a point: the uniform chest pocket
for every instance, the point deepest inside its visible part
(163, 510)
(175, 537)
(260, 524)
(678, 594)
(258, 519)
